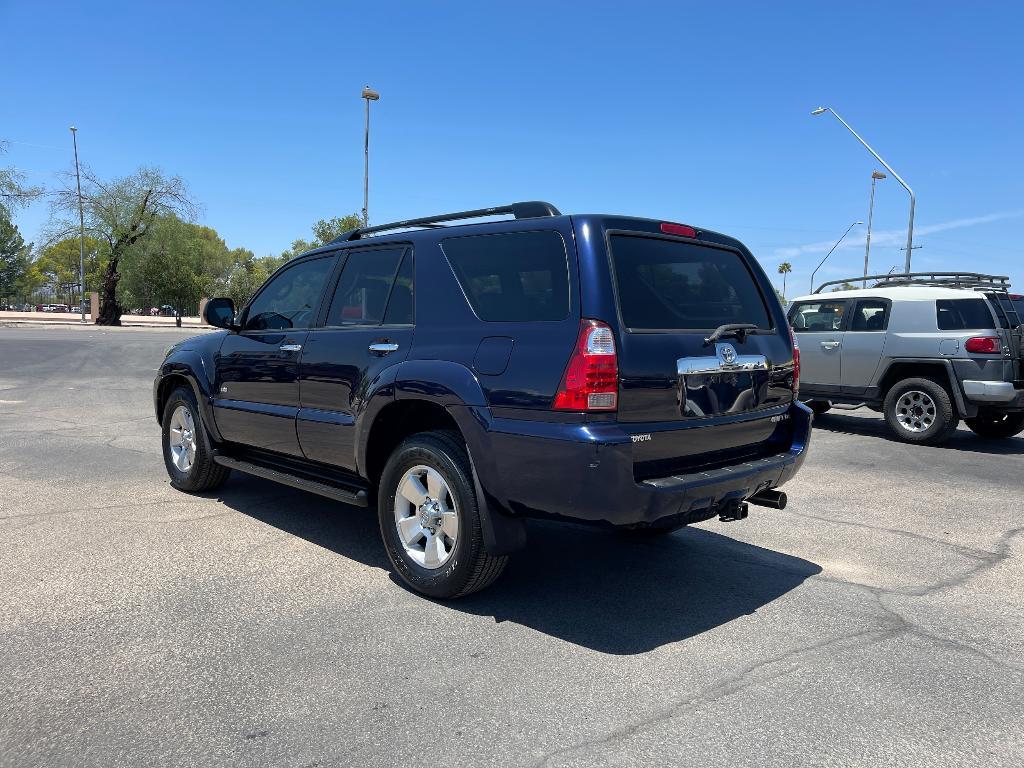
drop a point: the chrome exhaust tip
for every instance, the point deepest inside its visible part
(769, 498)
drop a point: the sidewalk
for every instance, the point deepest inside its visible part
(67, 318)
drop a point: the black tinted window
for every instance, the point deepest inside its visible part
(870, 315)
(290, 298)
(670, 284)
(514, 276)
(963, 314)
(400, 304)
(363, 289)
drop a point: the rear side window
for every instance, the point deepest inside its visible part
(671, 285)
(963, 314)
(817, 316)
(364, 287)
(515, 276)
(870, 315)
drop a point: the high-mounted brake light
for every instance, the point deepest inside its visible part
(678, 229)
(983, 345)
(796, 362)
(591, 379)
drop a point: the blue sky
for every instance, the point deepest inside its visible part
(687, 112)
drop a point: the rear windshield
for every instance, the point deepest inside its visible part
(514, 276)
(963, 315)
(671, 285)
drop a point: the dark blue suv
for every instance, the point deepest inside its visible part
(462, 378)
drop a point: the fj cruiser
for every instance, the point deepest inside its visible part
(599, 369)
(925, 348)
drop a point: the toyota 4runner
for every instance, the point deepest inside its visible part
(463, 378)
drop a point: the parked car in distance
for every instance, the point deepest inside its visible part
(462, 378)
(925, 349)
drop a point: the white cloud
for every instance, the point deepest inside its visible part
(890, 236)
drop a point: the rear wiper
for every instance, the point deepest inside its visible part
(738, 331)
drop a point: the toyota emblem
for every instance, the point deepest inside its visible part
(728, 354)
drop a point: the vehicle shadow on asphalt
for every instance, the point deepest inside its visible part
(601, 589)
(962, 440)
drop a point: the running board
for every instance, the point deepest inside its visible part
(355, 498)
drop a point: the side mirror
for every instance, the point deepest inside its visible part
(220, 313)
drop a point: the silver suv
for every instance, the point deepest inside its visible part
(925, 349)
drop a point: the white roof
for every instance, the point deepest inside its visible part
(895, 293)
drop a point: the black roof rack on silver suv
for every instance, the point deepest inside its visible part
(971, 280)
(530, 209)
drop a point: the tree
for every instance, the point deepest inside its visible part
(58, 264)
(784, 269)
(847, 286)
(15, 259)
(324, 231)
(14, 193)
(120, 213)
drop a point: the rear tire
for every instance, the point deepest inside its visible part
(997, 426)
(188, 453)
(430, 520)
(920, 411)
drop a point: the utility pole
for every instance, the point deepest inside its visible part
(369, 95)
(81, 229)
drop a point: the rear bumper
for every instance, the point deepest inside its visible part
(998, 393)
(585, 472)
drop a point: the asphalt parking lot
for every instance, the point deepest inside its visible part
(879, 620)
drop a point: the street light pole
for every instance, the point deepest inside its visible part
(875, 176)
(369, 95)
(81, 230)
(830, 252)
(910, 225)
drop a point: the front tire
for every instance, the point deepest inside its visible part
(920, 411)
(997, 426)
(430, 520)
(188, 455)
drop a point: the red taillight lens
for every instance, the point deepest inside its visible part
(796, 362)
(591, 379)
(985, 345)
(678, 229)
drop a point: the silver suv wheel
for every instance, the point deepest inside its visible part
(182, 439)
(426, 516)
(915, 411)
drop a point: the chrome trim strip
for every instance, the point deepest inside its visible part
(725, 361)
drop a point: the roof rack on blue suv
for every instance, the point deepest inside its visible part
(464, 373)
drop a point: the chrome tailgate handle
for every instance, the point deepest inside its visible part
(383, 347)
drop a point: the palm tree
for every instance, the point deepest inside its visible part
(784, 269)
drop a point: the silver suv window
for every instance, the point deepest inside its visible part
(963, 315)
(818, 316)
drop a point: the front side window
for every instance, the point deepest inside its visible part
(870, 315)
(365, 285)
(963, 315)
(289, 300)
(514, 276)
(817, 316)
(671, 285)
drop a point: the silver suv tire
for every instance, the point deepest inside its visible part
(920, 411)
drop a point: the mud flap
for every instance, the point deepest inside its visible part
(503, 534)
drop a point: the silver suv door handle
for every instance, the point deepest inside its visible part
(383, 348)
(291, 347)
(831, 344)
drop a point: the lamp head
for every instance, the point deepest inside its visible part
(819, 110)
(878, 175)
(73, 129)
(369, 94)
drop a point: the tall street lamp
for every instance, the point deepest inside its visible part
(369, 95)
(910, 225)
(830, 252)
(81, 229)
(875, 177)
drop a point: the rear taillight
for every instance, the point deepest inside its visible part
(984, 345)
(796, 362)
(591, 379)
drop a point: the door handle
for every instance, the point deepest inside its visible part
(291, 347)
(831, 344)
(383, 348)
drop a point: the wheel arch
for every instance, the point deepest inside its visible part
(939, 370)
